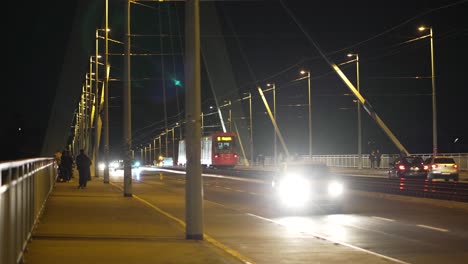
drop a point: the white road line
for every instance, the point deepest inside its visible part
(433, 228)
(383, 218)
(335, 241)
(252, 193)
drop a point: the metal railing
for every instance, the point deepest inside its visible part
(352, 160)
(25, 186)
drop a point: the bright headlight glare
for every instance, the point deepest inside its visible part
(102, 166)
(335, 188)
(294, 190)
(114, 164)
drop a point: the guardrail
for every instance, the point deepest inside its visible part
(25, 186)
(352, 160)
(442, 190)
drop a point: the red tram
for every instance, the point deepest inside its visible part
(218, 150)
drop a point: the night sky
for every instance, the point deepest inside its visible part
(265, 45)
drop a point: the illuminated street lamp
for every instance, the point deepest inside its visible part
(359, 127)
(310, 111)
(273, 88)
(251, 128)
(434, 115)
(106, 96)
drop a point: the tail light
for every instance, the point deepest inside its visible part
(426, 167)
(455, 166)
(434, 166)
(235, 155)
(401, 167)
(216, 156)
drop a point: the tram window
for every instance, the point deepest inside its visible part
(223, 146)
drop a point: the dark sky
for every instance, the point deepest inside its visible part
(265, 45)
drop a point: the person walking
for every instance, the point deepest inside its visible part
(66, 165)
(372, 159)
(83, 164)
(378, 158)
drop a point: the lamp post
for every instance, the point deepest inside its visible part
(434, 112)
(106, 97)
(359, 126)
(310, 111)
(273, 88)
(251, 128)
(97, 103)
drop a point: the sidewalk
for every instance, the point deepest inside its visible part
(99, 225)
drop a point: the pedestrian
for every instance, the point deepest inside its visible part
(66, 164)
(378, 158)
(83, 163)
(58, 156)
(372, 159)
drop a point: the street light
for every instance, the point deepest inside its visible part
(310, 112)
(358, 112)
(434, 115)
(273, 87)
(251, 128)
(106, 96)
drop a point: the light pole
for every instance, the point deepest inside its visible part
(273, 88)
(359, 126)
(106, 97)
(97, 104)
(251, 128)
(310, 111)
(434, 112)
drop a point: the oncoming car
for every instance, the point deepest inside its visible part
(303, 187)
(119, 165)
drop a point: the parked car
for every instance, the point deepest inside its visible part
(406, 167)
(442, 168)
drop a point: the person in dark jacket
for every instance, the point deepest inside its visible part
(83, 164)
(66, 165)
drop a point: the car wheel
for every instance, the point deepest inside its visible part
(430, 176)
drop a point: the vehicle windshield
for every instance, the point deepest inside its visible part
(308, 170)
(444, 160)
(413, 160)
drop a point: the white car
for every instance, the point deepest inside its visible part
(442, 168)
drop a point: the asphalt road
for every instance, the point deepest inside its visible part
(394, 230)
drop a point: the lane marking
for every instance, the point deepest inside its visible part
(383, 218)
(433, 228)
(334, 241)
(208, 238)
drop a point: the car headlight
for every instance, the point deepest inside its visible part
(136, 164)
(294, 190)
(102, 166)
(335, 188)
(114, 164)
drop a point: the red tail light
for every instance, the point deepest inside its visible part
(216, 156)
(455, 166)
(426, 167)
(235, 155)
(401, 167)
(434, 166)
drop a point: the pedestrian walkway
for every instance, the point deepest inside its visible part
(99, 225)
